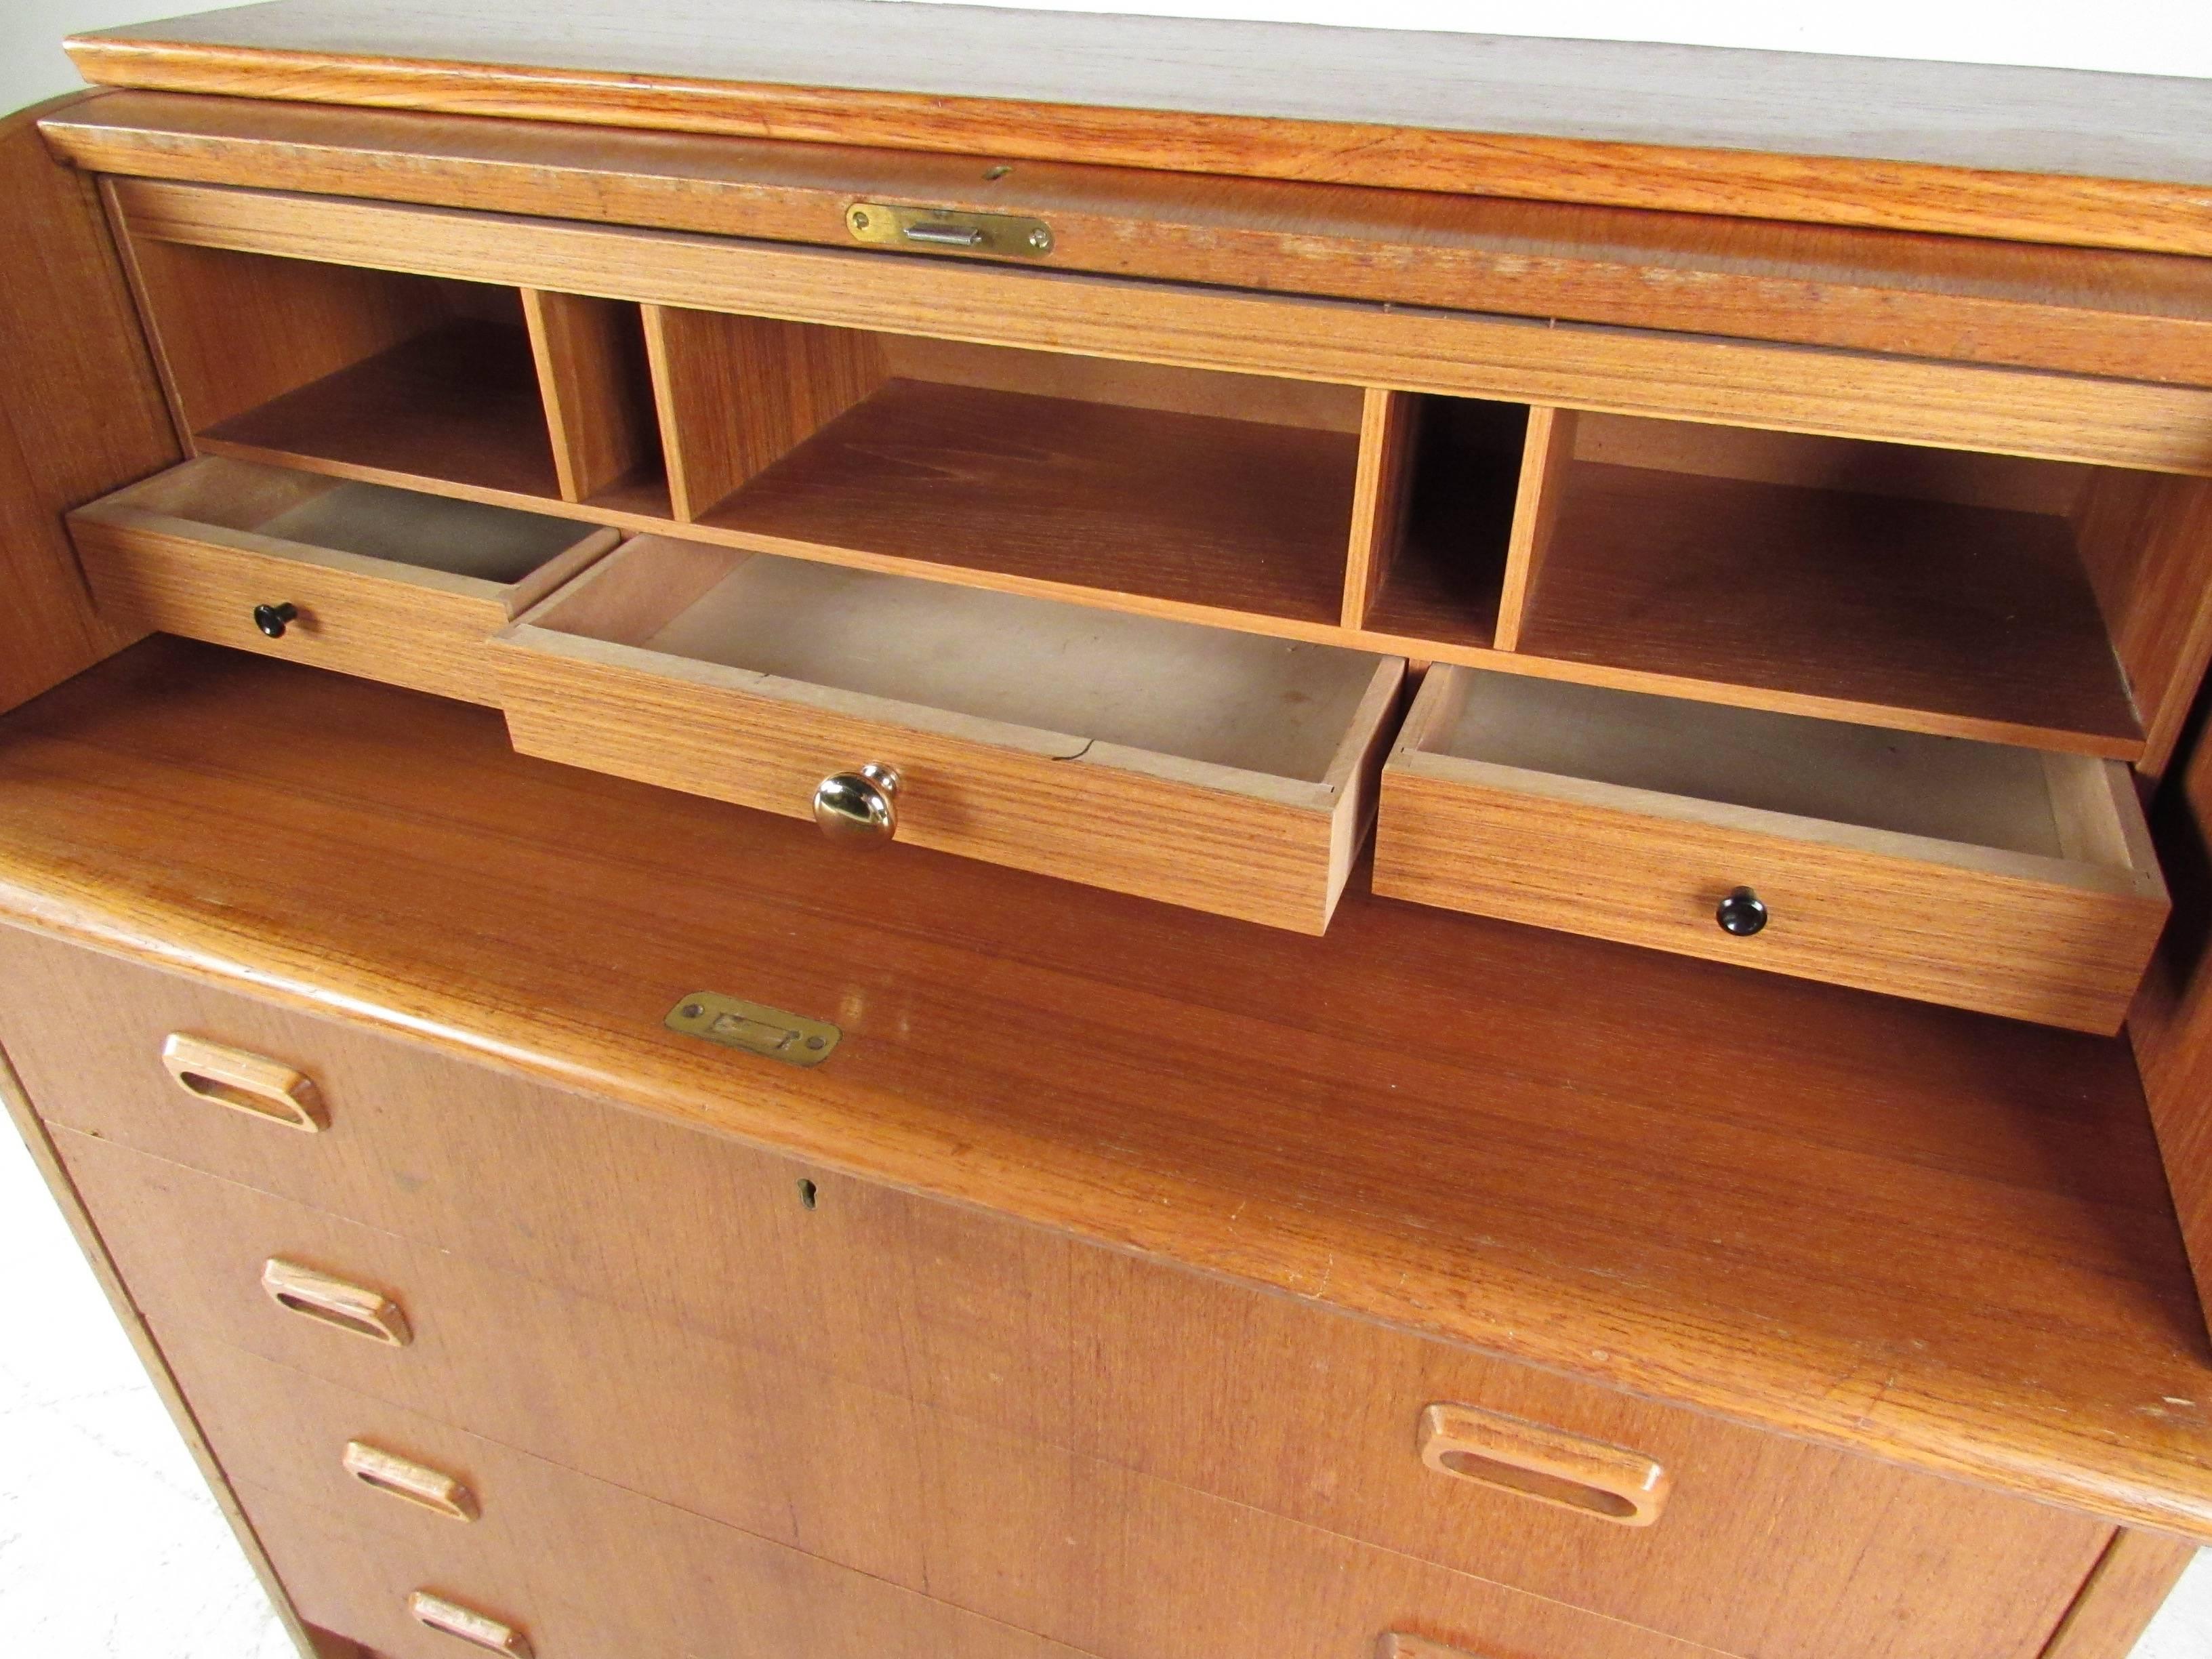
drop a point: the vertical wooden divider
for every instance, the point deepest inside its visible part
(2146, 540)
(1389, 430)
(591, 371)
(1544, 462)
(737, 394)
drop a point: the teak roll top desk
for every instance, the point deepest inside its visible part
(1502, 949)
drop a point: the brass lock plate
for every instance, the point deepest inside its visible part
(755, 1028)
(941, 230)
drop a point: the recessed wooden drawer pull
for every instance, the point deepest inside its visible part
(417, 1483)
(479, 1629)
(1395, 1646)
(347, 1307)
(244, 1082)
(1517, 1455)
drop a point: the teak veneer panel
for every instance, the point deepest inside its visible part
(1035, 1532)
(460, 404)
(727, 1284)
(2032, 154)
(1933, 1237)
(2135, 316)
(1950, 405)
(67, 326)
(1194, 509)
(1980, 620)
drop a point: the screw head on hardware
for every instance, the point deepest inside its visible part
(1040, 240)
(859, 219)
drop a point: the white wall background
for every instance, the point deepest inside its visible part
(109, 1548)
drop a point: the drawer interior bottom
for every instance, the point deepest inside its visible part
(1202, 693)
(1951, 789)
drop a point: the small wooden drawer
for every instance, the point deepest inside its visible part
(1222, 770)
(2002, 880)
(388, 584)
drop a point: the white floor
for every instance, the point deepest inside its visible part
(110, 1547)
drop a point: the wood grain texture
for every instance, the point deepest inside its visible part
(1033, 1532)
(737, 394)
(2170, 1024)
(364, 1579)
(1380, 492)
(2130, 1584)
(2133, 316)
(458, 405)
(2031, 155)
(39, 1142)
(2066, 417)
(1023, 1333)
(310, 319)
(2144, 542)
(1938, 1239)
(356, 623)
(67, 324)
(1266, 849)
(1444, 582)
(2061, 941)
(592, 377)
(1545, 463)
(1966, 621)
(165, 555)
(1195, 510)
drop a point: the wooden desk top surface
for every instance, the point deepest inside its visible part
(2040, 154)
(1940, 1239)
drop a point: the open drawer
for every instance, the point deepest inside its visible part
(1976, 874)
(1223, 770)
(389, 584)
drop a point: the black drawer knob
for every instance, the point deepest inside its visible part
(1741, 913)
(273, 619)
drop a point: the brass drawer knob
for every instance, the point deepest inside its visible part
(1742, 913)
(859, 809)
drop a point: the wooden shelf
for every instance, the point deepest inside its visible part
(1926, 615)
(1937, 1238)
(457, 405)
(1194, 510)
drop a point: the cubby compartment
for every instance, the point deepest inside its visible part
(1211, 768)
(597, 386)
(1448, 471)
(388, 584)
(1200, 494)
(1928, 589)
(1982, 875)
(373, 374)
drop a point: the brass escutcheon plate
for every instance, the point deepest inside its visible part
(755, 1028)
(942, 230)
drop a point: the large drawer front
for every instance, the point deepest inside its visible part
(1037, 1535)
(1260, 1399)
(578, 1565)
(1075, 1550)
